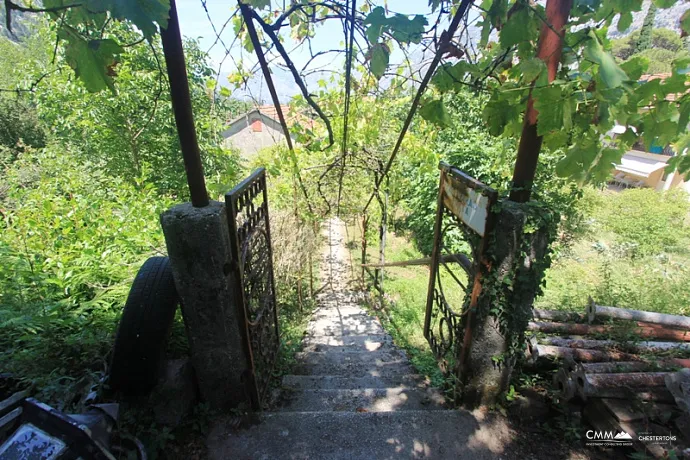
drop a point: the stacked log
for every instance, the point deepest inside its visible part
(621, 383)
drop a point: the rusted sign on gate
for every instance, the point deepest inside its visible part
(463, 203)
(464, 197)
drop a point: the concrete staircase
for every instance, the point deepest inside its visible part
(354, 395)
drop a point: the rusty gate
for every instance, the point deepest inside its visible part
(463, 204)
(250, 240)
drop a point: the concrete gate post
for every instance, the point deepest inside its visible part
(199, 249)
(486, 377)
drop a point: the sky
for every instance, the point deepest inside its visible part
(194, 23)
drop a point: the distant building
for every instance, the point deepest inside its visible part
(646, 169)
(255, 130)
(641, 168)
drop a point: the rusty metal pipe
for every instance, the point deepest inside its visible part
(604, 344)
(182, 108)
(565, 385)
(559, 316)
(541, 352)
(600, 311)
(633, 366)
(588, 329)
(641, 385)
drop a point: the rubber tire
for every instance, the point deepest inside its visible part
(144, 329)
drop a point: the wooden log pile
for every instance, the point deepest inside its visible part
(628, 369)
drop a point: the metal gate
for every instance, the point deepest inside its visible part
(250, 239)
(464, 205)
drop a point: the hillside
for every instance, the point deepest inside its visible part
(668, 18)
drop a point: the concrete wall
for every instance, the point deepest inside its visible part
(242, 136)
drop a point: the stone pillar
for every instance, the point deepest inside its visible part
(199, 249)
(488, 373)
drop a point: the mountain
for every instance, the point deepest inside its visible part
(668, 19)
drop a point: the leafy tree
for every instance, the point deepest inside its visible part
(665, 46)
(575, 97)
(645, 40)
(132, 134)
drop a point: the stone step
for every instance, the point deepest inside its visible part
(364, 346)
(362, 399)
(352, 363)
(349, 318)
(339, 310)
(338, 327)
(437, 434)
(334, 382)
(354, 342)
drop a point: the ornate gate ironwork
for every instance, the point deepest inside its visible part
(250, 239)
(464, 204)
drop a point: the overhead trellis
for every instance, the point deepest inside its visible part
(374, 29)
(350, 39)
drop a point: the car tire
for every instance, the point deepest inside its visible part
(144, 329)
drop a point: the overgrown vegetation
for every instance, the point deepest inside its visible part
(86, 173)
(84, 178)
(633, 253)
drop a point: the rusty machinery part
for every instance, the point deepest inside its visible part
(144, 329)
(30, 425)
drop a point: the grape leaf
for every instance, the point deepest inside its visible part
(680, 162)
(660, 132)
(664, 4)
(399, 26)
(435, 112)
(624, 21)
(497, 114)
(609, 157)
(434, 4)
(379, 59)
(548, 101)
(610, 74)
(517, 29)
(554, 140)
(407, 30)
(448, 76)
(92, 61)
(375, 20)
(531, 69)
(635, 67)
(577, 160)
(142, 13)
(683, 116)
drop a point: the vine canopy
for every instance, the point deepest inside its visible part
(577, 108)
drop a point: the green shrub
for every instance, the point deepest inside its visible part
(71, 240)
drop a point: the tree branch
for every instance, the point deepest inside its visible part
(295, 74)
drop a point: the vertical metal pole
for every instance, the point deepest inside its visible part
(365, 221)
(435, 255)
(383, 229)
(182, 107)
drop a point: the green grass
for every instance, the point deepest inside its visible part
(633, 254)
